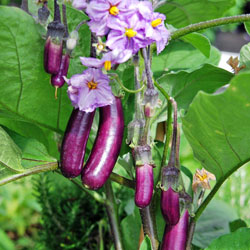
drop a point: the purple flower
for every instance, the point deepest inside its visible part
(143, 8)
(127, 34)
(79, 4)
(156, 31)
(108, 60)
(89, 90)
(103, 11)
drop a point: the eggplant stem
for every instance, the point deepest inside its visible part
(112, 212)
(122, 180)
(190, 234)
(64, 10)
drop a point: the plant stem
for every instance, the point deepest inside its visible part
(190, 234)
(34, 170)
(94, 194)
(65, 20)
(149, 226)
(122, 180)
(150, 84)
(112, 212)
(209, 24)
(25, 6)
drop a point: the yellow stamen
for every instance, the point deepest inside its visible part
(202, 177)
(114, 10)
(130, 33)
(107, 65)
(92, 85)
(156, 22)
(100, 47)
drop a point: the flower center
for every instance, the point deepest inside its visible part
(202, 177)
(100, 47)
(114, 10)
(130, 33)
(107, 65)
(156, 22)
(92, 85)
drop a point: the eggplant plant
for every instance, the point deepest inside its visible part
(137, 83)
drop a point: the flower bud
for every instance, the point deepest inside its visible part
(144, 185)
(53, 47)
(175, 237)
(72, 40)
(135, 130)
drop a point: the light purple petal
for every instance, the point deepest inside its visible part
(91, 62)
(100, 28)
(79, 4)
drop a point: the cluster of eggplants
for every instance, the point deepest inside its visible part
(105, 151)
(55, 62)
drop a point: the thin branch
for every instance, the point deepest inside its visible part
(80, 24)
(112, 212)
(25, 6)
(122, 180)
(190, 234)
(209, 24)
(148, 71)
(65, 20)
(34, 170)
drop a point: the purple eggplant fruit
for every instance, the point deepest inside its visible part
(107, 146)
(74, 142)
(170, 207)
(144, 185)
(175, 237)
(57, 80)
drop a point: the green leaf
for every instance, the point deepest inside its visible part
(179, 55)
(213, 223)
(180, 13)
(245, 55)
(11, 155)
(131, 226)
(236, 224)
(200, 42)
(146, 244)
(6, 243)
(183, 86)
(247, 27)
(236, 240)
(157, 151)
(217, 128)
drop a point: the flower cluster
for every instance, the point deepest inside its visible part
(128, 25)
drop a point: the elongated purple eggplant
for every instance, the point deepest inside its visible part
(74, 142)
(144, 185)
(175, 237)
(170, 207)
(106, 147)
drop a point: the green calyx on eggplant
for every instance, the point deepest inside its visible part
(74, 142)
(106, 148)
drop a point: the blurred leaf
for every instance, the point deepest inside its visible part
(200, 42)
(131, 226)
(183, 85)
(10, 154)
(180, 13)
(236, 240)
(146, 244)
(5, 242)
(219, 142)
(179, 55)
(245, 55)
(213, 223)
(236, 224)
(125, 162)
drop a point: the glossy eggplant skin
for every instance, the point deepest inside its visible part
(106, 148)
(175, 237)
(144, 185)
(74, 142)
(58, 80)
(170, 207)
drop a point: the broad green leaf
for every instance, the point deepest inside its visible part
(6, 243)
(236, 240)
(217, 128)
(25, 88)
(236, 224)
(213, 223)
(146, 244)
(10, 154)
(131, 226)
(180, 13)
(179, 55)
(183, 86)
(200, 42)
(245, 55)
